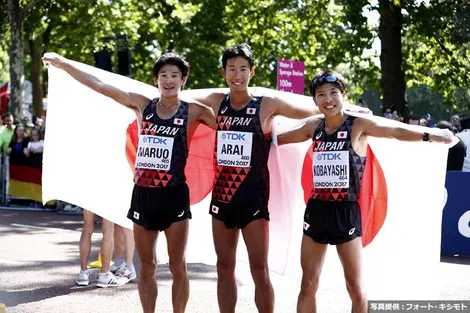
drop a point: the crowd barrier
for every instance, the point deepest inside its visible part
(456, 215)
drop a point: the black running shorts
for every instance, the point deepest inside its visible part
(237, 216)
(158, 208)
(332, 222)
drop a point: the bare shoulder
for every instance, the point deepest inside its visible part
(217, 97)
(268, 97)
(314, 122)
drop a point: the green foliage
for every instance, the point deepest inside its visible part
(422, 100)
(3, 16)
(322, 33)
(437, 49)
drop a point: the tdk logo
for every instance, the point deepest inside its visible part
(157, 140)
(231, 136)
(329, 157)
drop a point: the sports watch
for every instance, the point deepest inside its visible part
(426, 137)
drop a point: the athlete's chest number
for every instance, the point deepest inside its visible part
(234, 148)
(331, 169)
(154, 152)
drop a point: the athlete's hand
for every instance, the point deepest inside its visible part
(443, 135)
(53, 59)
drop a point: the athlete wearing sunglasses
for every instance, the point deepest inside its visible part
(332, 215)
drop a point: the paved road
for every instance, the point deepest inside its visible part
(39, 260)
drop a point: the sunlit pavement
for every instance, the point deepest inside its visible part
(39, 260)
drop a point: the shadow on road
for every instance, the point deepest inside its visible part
(461, 259)
(64, 284)
(38, 219)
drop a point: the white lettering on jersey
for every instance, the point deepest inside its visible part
(161, 130)
(235, 121)
(329, 146)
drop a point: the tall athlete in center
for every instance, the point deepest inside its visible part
(241, 192)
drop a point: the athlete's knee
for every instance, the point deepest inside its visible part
(309, 287)
(225, 268)
(147, 268)
(356, 290)
(178, 268)
(260, 272)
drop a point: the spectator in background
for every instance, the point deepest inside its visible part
(105, 277)
(362, 103)
(17, 146)
(413, 119)
(39, 123)
(457, 153)
(427, 121)
(455, 121)
(465, 136)
(395, 116)
(35, 147)
(388, 113)
(8, 130)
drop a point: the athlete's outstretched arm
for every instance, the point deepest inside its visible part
(298, 106)
(288, 104)
(128, 99)
(298, 135)
(210, 97)
(374, 129)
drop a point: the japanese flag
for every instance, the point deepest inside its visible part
(342, 135)
(215, 209)
(251, 110)
(178, 121)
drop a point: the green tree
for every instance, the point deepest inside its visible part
(437, 49)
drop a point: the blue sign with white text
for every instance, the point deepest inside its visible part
(456, 216)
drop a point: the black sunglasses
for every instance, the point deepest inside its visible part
(320, 79)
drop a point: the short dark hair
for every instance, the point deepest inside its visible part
(7, 114)
(446, 125)
(340, 82)
(465, 122)
(244, 50)
(171, 58)
(414, 117)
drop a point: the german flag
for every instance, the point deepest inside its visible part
(25, 181)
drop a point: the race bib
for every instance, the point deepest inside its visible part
(234, 148)
(331, 169)
(154, 152)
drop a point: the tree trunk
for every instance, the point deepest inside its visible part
(36, 74)
(392, 84)
(16, 59)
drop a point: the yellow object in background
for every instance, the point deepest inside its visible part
(3, 308)
(95, 264)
